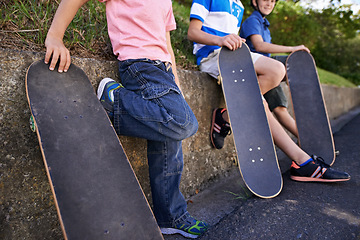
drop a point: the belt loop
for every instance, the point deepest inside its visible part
(167, 65)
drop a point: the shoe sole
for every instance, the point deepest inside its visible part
(102, 85)
(212, 128)
(309, 179)
(169, 231)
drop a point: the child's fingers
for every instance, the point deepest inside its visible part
(237, 41)
(232, 41)
(48, 55)
(61, 55)
(54, 59)
(64, 60)
(68, 61)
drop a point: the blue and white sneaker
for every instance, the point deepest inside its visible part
(317, 171)
(105, 94)
(189, 228)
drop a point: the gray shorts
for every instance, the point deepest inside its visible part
(210, 63)
(276, 98)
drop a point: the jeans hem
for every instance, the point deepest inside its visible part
(181, 219)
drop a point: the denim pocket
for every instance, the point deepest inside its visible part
(153, 92)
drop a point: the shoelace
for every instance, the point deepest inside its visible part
(225, 130)
(320, 161)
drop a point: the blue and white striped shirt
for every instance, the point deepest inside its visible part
(219, 17)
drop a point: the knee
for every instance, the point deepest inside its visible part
(276, 73)
(271, 71)
(187, 130)
(279, 110)
(280, 73)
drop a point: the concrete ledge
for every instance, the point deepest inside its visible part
(26, 203)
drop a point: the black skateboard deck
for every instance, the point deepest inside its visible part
(315, 135)
(253, 141)
(96, 192)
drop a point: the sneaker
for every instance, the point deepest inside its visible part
(105, 94)
(316, 171)
(189, 228)
(219, 128)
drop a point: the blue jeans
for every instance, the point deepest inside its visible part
(151, 106)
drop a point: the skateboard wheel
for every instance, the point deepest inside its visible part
(32, 123)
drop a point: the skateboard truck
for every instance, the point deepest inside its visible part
(32, 123)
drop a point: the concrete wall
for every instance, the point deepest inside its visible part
(26, 204)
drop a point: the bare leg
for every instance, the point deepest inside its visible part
(270, 73)
(284, 118)
(283, 140)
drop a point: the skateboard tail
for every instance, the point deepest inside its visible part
(259, 166)
(257, 159)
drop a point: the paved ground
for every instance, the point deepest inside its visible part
(301, 211)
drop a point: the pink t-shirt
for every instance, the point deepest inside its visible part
(137, 28)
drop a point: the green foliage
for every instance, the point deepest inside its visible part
(291, 26)
(88, 26)
(186, 3)
(30, 20)
(243, 195)
(331, 34)
(248, 9)
(330, 78)
(181, 45)
(337, 44)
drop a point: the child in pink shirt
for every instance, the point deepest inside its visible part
(140, 34)
(148, 103)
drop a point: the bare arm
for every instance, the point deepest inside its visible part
(195, 34)
(170, 49)
(54, 39)
(261, 46)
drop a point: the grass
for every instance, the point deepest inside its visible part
(243, 195)
(330, 78)
(24, 25)
(181, 45)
